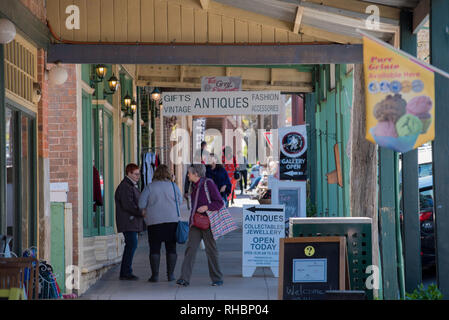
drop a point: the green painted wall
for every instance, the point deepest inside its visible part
(328, 113)
(57, 243)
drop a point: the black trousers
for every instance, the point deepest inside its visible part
(243, 179)
(164, 232)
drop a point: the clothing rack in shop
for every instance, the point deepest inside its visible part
(153, 148)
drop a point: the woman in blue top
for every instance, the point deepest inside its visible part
(218, 174)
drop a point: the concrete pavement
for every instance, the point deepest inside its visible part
(262, 286)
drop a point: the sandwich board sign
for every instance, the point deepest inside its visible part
(310, 266)
(293, 153)
(263, 227)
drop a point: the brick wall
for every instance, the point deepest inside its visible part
(37, 7)
(63, 142)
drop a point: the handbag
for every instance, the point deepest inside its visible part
(182, 230)
(201, 221)
(237, 175)
(221, 221)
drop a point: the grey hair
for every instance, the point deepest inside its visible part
(198, 169)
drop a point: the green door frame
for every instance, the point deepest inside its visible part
(90, 109)
(87, 164)
(20, 111)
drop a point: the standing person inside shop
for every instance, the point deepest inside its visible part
(243, 169)
(230, 165)
(199, 157)
(218, 174)
(201, 204)
(161, 200)
(129, 217)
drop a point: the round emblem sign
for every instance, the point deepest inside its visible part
(309, 251)
(293, 144)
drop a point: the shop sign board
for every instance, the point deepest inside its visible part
(263, 227)
(311, 266)
(400, 98)
(293, 153)
(221, 103)
(211, 84)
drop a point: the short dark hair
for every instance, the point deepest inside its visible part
(203, 143)
(162, 173)
(130, 168)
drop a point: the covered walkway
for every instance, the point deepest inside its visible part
(262, 286)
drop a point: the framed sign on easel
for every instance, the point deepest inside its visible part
(292, 194)
(311, 266)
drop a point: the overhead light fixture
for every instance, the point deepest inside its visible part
(7, 31)
(156, 95)
(58, 75)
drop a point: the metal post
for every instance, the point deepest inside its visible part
(439, 47)
(410, 194)
(387, 217)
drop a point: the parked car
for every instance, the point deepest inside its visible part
(425, 185)
(426, 221)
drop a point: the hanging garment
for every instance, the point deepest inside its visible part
(98, 199)
(148, 167)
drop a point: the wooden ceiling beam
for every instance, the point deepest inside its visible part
(299, 14)
(356, 6)
(305, 88)
(329, 36)
(205, 4)
(253, 74)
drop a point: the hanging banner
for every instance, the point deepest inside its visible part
(293, 153)
(400, 98)
(211, 84)
(221, 103)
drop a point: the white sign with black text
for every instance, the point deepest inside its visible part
(263, 227)
(221, 103)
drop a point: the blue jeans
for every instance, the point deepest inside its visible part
(128, 253)
(255, 182)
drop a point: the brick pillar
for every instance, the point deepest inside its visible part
(63, 143)
(44, 225)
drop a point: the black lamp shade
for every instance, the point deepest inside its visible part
(127, 100)
(133, 106)
(101, 71)
(156, 94)
(113, 83)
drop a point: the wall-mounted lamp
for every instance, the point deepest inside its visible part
(113, 85)
(133, 107)
(58, 75)
(156, 95)
(100, 72)
(126, 102)
(7, 31)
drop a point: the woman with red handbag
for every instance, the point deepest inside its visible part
(200, 225)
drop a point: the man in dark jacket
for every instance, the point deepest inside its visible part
(129, 217)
